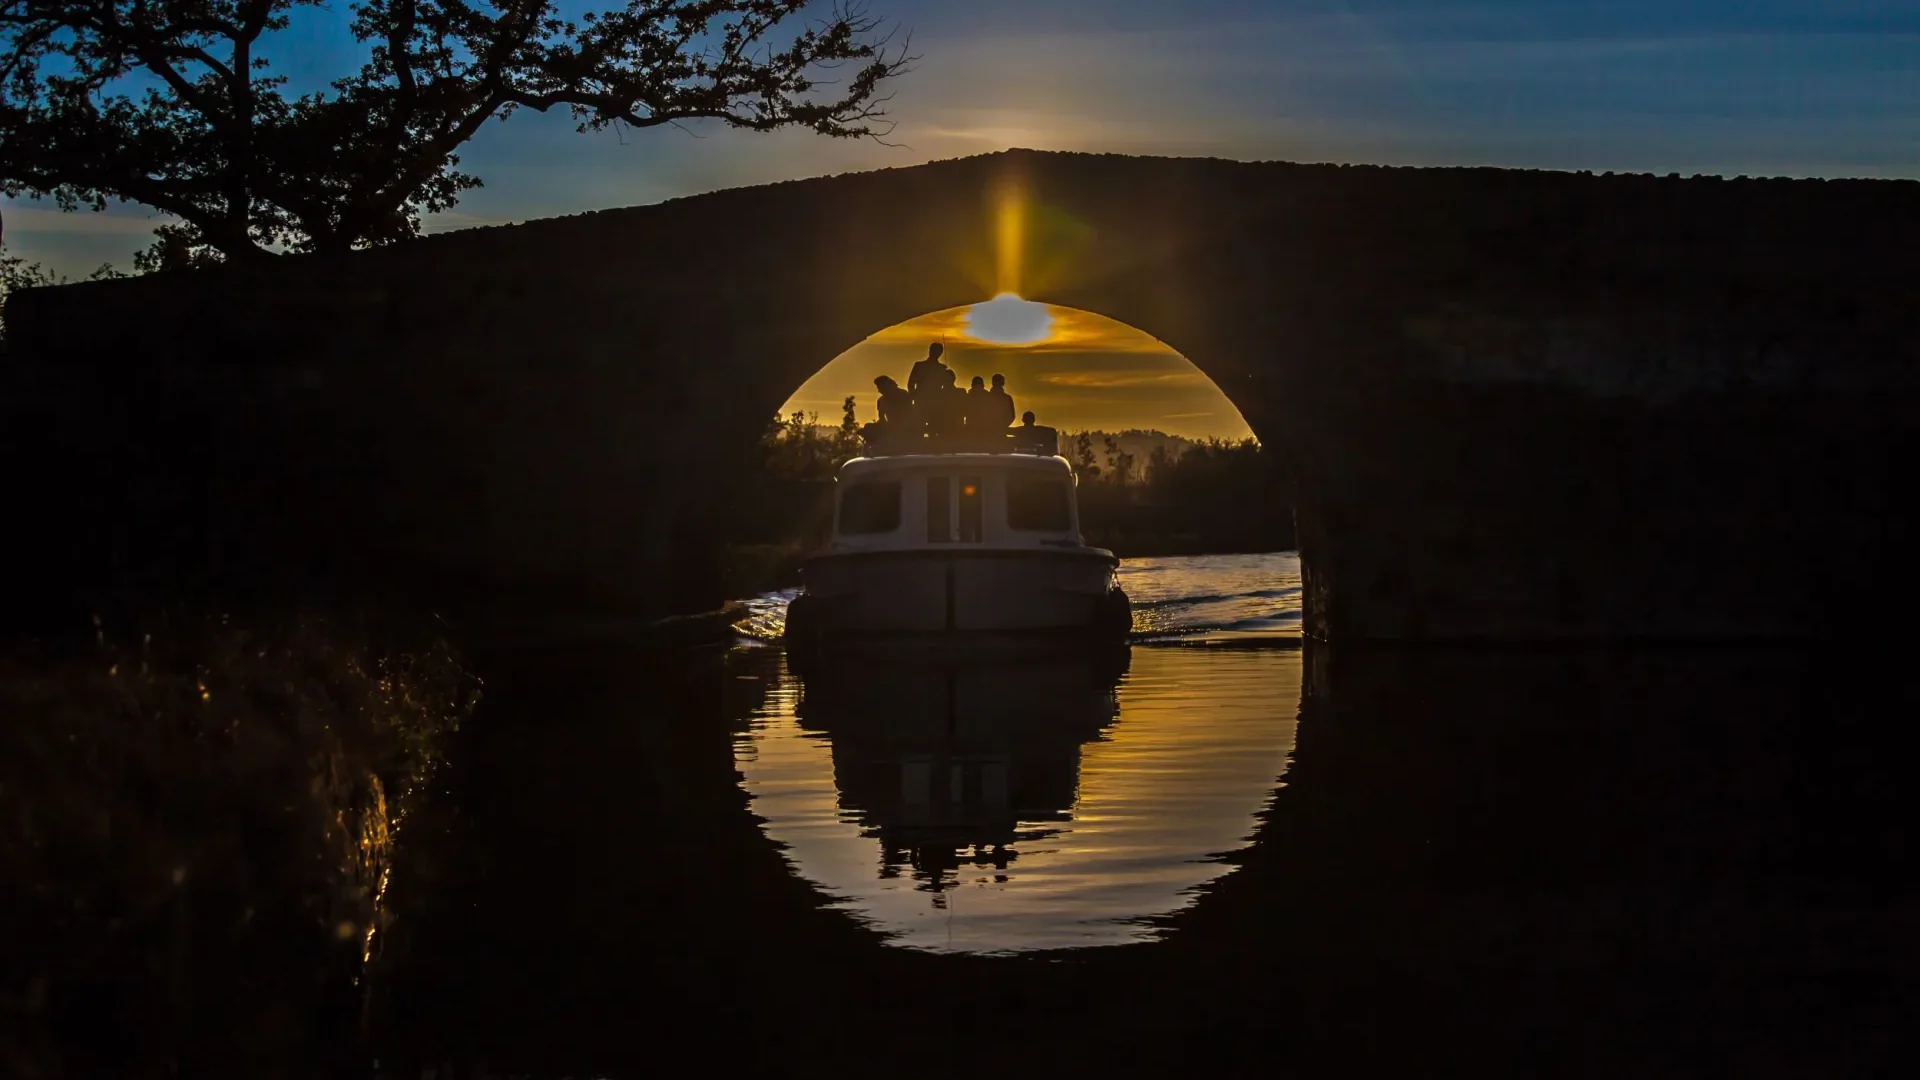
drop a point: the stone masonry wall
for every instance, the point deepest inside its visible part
(1516, 404)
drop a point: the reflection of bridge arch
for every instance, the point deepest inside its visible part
(1012, 788)
(949, 764)
(1476, 376)
(1582, 858)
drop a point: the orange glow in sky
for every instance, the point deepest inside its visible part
(1010, 218)
(1075, 369)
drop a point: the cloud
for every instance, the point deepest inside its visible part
(24, 217)
(1109, 380)
(1074, 331)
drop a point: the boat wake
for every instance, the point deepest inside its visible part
(1189, 599)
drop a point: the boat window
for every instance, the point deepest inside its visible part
(872, 506)
(970, 510)
(1038, 504)
(939, 510)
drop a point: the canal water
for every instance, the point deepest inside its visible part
(1214, 845)
(1005, 803)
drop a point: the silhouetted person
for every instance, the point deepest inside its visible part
(895, 405)
(927, 373)
(1037, 437)
(1004, 401)
(895, 409)
(943, 405)
(983, 415)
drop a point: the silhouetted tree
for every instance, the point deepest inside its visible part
(1159, 461)
(847, 442)
(1119, 463)
(796, 447)
(176, 104)
(1084, 462)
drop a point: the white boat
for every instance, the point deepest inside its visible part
(958, 543)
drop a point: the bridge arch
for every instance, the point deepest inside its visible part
(1515, 404)
(1077, 369)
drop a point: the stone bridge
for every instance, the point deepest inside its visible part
(1512, 405)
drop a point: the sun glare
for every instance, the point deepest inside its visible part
(1008, 320)
(1010, 233)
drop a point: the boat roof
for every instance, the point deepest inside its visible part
(892, 464)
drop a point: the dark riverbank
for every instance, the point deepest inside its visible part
(1577, 862)
(198, 816)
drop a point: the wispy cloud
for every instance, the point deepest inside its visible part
(1098, 380)
(1074, 331)
(26, 217)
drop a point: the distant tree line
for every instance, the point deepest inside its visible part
(1181, 496)
(798, 447)
(1185, 497)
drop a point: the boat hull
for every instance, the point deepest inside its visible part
(974, 591)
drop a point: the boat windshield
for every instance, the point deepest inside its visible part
(870, 506)
(1038, 504)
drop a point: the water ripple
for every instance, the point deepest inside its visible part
(1182, 598)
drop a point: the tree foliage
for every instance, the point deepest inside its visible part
(798, 447)
(179, 104)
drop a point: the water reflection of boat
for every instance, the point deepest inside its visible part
(949, 760)
(957, 543)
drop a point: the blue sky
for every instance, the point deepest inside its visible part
(1768, 87)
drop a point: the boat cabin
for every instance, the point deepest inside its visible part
(956, 500)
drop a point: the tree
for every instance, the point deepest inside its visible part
(847, 443)
(177, 104)
(1119, 463)
(1160, 462)
(1084, 462)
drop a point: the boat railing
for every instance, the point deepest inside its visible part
(1032, 441)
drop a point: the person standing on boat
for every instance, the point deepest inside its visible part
(927, 373)
(944, 406)
(983, 415)
(1005, 414)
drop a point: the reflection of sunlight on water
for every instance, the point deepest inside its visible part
(1214, 597)
(1203, 597)
(1147, 804)
(766, 617)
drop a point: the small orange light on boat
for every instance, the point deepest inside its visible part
(967, 490)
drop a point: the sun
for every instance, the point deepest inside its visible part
(1008, 320)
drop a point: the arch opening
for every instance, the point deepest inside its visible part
(996, 798)
(1081, 370)
(1168, 466)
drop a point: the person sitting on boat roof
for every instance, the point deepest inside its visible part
(1039, 439)
(895, 409)
(895, 405)
(926, 373)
